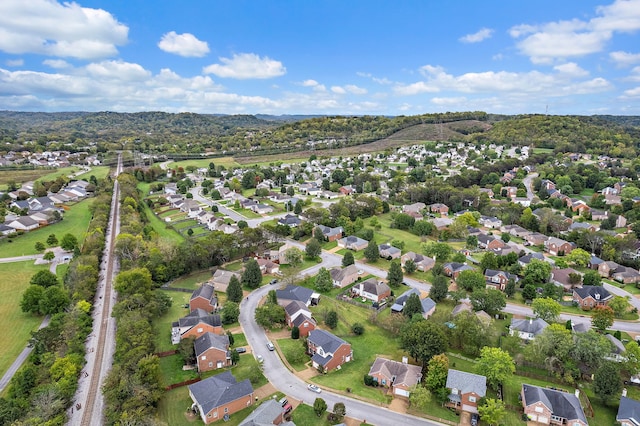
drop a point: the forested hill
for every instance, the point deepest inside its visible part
(243, 135)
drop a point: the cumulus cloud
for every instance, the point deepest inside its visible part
(571, 68)
(245, 66)
(449, 101)
(185, 44)
(482, 34)
(15, 62)
(56, 63)
(50, 28)
(118, 70)
(552, 41)
(349, 88)
(314, 85)
(624, 58)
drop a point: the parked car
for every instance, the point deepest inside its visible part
(273, 281)
(260, 359)
(314, 388)
(241, 350)
(474, 419)
(270, 346)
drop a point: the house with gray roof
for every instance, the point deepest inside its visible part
(268, 413)
(528, 328)
(343, 277)
(399, 376)
(195, 324)
(219, 396)
(466, 389)
(617, 349)
(331, 234)
(550, 406)
(295, 292)
(428, 305)
(353, 243)
(628, 411)
(212, 351)
(527, 258)
(204, 297)
(590, 296)
(389, 252)
(372, 289)
(221, 278)
(423, 263)
(327, 350)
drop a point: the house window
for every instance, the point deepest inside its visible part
(210, 364)
(200, 330)
(472, 399)
(556, 418)
(226, 409)
(215, 414)
(539, 410)
(306, 324)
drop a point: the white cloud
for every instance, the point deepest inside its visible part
(571, 68)
(384, 81)
(632, 93)
(245, 66)
(415, 88)
(47, 27)
(449, 101)
(15, 62)
(482, 34)
(185, 44)
(339, 90)
(314, 85)
(118, 70)
(621, 16)
(624, 58)
(349, 88)
(56, 63)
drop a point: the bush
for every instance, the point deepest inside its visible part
(370, 381)
(357, 329)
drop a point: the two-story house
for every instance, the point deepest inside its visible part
(497, 279)
(219, 396)
(372, 289)
(527, 328)
(590, 296)
(195, 325)
(558, 247)
(466, 389)
(549, 406)
(628, 411)
(342, 277)
(204, 297)
(212, 351)
(327, 350)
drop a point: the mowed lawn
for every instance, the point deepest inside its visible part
(17, 325)
(75, 222)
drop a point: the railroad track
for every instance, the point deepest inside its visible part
(93, 408)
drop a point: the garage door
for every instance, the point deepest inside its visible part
(542, 419)
(532, 417)
(401, 392)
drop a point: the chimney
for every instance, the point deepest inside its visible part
(577, 393)
(624, 391)
(530, 320)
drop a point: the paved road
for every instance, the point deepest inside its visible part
(288, 383)
(527, 181)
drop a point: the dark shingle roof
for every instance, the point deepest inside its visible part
(467, 382)
(594, 291)
(265, 414)
(327, 341)
(561, 404)
(294, 292)
(198, 316)
(219, 390)
(209, 340)
(205, 291)
(629, 410)
(529, 325)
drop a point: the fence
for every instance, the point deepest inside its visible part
(166, 353)
(185, 383)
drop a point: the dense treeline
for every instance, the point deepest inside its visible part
(44, 387)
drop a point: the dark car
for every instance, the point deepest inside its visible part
(474, 419)
(241, 350)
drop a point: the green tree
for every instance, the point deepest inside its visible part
(496, 365)
(602, 317)
(52, 240)
(234, 290)
(529, 292)
(489, 261)
(44, 278)
(472, 242)
(372, 253)
(49, 256)
(348, 259)
(251, 277)
(592, 278)
(546, 309)
(489, 300)
(537, 272)
(437, 372)
(442, 251)
(510, 288)
(323, 281)
(357, 329)
(31, 297)
(471, 280)
(552, 347)
(632, 355)
(420, 397)
(409, 266)
(492, 411)
(319, 407)
(590, 348)
(297, 208)
(54, 300)
(270, 315)
(439, 288)
(412, 306)
(339, 412)
(579, 257)
(69, 242)
(606, 381)
(295, 332)
(133, 281)
(470, 334)
(40, 247)
(395, 275)
(186, 350)
(230, 312)
(423, 339)
(620, 305)
(313, 248)
(331, 319)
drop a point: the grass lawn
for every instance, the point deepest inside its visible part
(162, 325)
(289, 347)
(100, 172)
(18, 325)
(304, 415)
(249, 214)
(75, 222)
(172, 408)
(161, 227)
(172, 372)
(239, 340)
(20, 176)
(204, 162)
(192, 281)
(374, 342)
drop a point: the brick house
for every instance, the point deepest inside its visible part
(439, 208)
(590, 296)
(331, 234)
(204, 297)
(453, 269)
(212, 352)
(327, 351)
(423, 263)
(628, 411)
(195, 325)
(294, 292)
(626, 275)
(372, 289)
(268, 267)
(399, 376)
(557, 247)
(221, 395)
(535, 239)
(497, 279)
(548, 406)
(389, 252)
(466, 389)
(353, 243)
(297, 314)
(221, 278)
(342, 277)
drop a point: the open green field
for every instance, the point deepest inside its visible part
(76, 220)
(18, 325)
(162, 325)
(304, 415)
(172, 372)
(289, 347)
(21, 176)
(100, 172)
(192, 281)
(161, 227)
(218, 161)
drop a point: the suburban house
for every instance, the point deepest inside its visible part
(279, 255)
(453, 269)
(372, 289)
(327, 351)
(270, 412)
(515, 230)
(590, 296)
(414, 208)
(490, 222)
(267, 266)
(342, 277)
(618, 349)
(221, 278)
(565, 277)
(604, 268)
(195, 324)
(298, 315)
(204, 297)
(628, 411)
(353, 243)
(535, 239)
(527, 328)
(558, 247)
(626, 275)
(212, 351)
(423, 263)
(489, 242)
(399, 376)
(439, 208)
(331, 234)
(498, 279)
(428, 305)
(389, 252)
(296, 293)
(549, 406)
(219, 396)
(466, 389)
(527, 258)
(290, 220)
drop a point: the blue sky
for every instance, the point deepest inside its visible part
(321, 57)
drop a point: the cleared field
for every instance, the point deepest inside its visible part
(76, 220)
(218, 161)
(15, 279)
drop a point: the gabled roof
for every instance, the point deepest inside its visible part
(596, 292)
(618, 346)
(529, 325)
(219, 390)
(327, 341)
(209, 340)
(527, 258)
(264, 415)
(294, 292)
(562, 404)
(629, 409)
(338, 274)
(205, 291)
(198, 316)
(373, 286)
(295, 306)
(399, 372)
(467, 382)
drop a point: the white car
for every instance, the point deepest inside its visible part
(270, 346)
(260, 359)
(314, 388)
